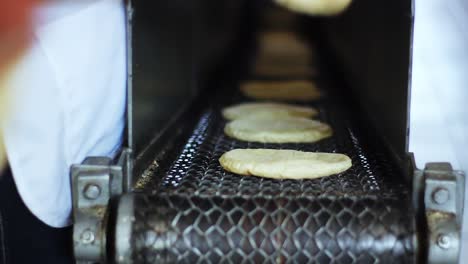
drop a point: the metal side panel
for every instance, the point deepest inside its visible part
(172, 47)
(372, 44)
(160, 66)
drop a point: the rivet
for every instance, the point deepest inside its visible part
(87, 237)
(443, 241)
(92, 191)
(440, 196)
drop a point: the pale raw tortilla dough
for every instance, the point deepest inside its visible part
(316, 7)
(267, 110)
(284, 164)
(278, 130)
(274, 69)
(281, 90)
(279, 61)
(282, 54)
(283, 44)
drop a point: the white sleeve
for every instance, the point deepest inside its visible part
(439, 116)
(68, 102)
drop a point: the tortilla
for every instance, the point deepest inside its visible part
(283, 70)
(302, 90)
(283, 44)
(316, 7)
(267, 110)
(284, 164)
(277, 130)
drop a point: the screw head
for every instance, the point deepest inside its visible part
(92, 191)
(440, 196)
(443, 241)
(87, 237)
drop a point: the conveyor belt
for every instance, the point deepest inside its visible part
(192, 211)
(196, 169)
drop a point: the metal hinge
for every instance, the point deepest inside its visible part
(443, 211)
(94, 183)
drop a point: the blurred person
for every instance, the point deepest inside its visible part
(62, 86)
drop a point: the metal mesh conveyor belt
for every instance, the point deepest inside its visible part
(190, 210)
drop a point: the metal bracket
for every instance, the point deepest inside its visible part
(443, 205)
(94, 183)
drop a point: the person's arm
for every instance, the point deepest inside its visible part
(15, 22)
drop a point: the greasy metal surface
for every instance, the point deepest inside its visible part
(443, 204)
(94, 182)
(89, 208)
(199, 213)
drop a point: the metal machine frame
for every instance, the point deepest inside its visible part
(438, 190)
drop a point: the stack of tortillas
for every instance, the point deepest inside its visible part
(274, 123)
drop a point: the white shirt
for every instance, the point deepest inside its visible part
(67, 101)
(439, 94)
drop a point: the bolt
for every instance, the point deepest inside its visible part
(443, 241)
(440, 196)
(92, 191)
(87, 237)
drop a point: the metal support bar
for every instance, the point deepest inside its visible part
(443, 202)
(94, 183)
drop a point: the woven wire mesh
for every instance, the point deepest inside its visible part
(199, 213)
(196, 170)
(191, 229)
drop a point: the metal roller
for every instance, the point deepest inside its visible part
(188, 229)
